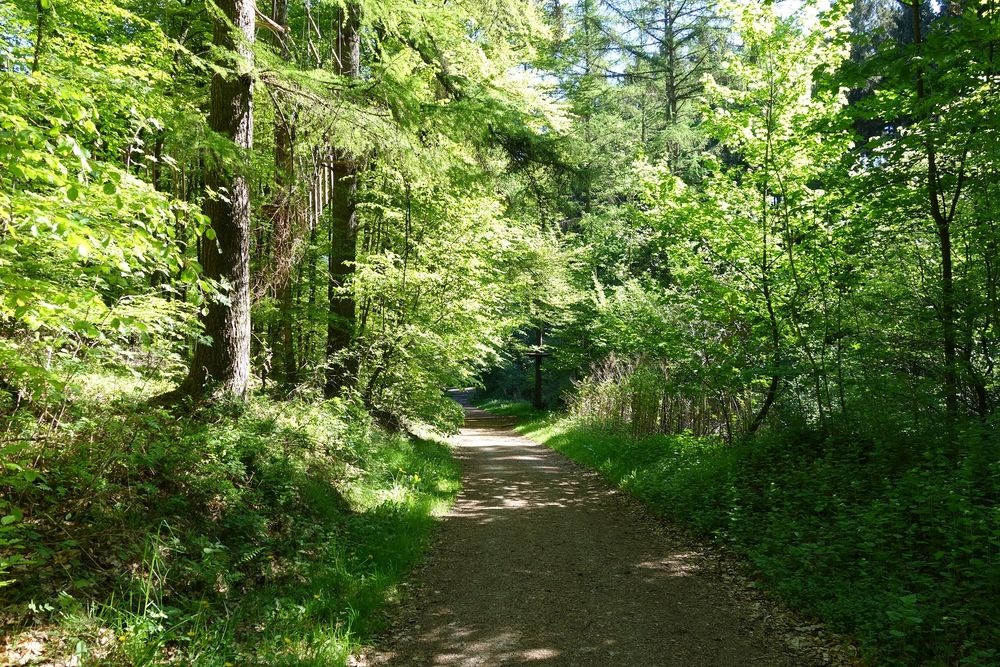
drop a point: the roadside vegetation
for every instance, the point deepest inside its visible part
(883, 539)
(269, 532)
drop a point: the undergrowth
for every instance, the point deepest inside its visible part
(271, 533)
(892, 537)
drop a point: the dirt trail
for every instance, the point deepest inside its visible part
(540, 563)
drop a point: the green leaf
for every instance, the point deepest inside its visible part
(86, 329)
(110, 188)
(81, 245)
(73, 193)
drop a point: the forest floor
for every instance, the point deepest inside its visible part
(540, 562)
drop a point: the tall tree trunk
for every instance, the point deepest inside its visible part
(284, 216)
(588, 73)
(221, 369)
(558, 22)
(777, 356)
(342, 364)
(306, 348)
(942, 222)
(669, 53)
(948, 317)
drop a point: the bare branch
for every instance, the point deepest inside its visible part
(265, 21)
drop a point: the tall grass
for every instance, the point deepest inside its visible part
(644, 397)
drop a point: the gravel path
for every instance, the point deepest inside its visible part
(539, 562)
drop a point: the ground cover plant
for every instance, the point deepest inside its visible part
(887, 538)
(270, 532)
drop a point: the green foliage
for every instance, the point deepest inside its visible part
(83, 239)
(425, 328)
(786, 277)
(797, 272)
(271, 531)
(878, 533)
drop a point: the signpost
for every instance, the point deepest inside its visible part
(538, 353)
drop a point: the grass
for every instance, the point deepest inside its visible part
(274, 533)
(892, 539)
(523, 410)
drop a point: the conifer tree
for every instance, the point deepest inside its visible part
(221, 365)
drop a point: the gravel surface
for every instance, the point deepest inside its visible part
(539, 562)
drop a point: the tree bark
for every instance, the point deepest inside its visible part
(221, 369)
(40, 28)
(777, 354)
(342, 363)
(283, 359)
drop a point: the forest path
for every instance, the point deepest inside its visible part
(539, 562)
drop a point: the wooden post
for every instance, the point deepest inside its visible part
(537, 400)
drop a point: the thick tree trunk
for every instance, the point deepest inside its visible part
(342, 364)
(221, 369)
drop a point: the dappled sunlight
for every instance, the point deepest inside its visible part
(477, 646)
(676, 564)
(505, 647)
(539, 562)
